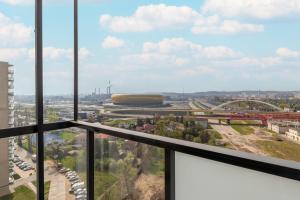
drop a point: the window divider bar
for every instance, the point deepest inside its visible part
(90, 164)
(39, 96)
(169, 174)
(75, 60)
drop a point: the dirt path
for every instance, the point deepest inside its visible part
(237, 141)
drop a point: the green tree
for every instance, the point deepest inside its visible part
(52, 115)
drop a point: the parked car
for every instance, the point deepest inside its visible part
(16, 159)
(33, 158)
(19, 163)
(63, 170)
(81, 197)
(78, 184)
(77, 187)
(74, 178)
(80, 191)
(71, 175)
(11, 180)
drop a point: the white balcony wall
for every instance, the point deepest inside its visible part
(203, 179)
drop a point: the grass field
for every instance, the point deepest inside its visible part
(67, 136)
(21, 193)
(243, 130)
(254, 122)
(281, 149)
(47, 188)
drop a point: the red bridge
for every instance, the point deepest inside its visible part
(263, 117)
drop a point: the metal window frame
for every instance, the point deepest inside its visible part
(278, 167)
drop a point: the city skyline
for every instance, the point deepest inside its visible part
(148, 46)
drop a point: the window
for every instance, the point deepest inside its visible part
(192, 71)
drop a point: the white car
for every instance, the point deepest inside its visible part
(80, 191)
(11, 180)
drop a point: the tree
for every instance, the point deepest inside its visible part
(128, 174)
(55, 151)
(52, 115)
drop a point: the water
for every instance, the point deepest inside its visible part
(49, 138)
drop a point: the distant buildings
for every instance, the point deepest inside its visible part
(278, 126)
(289, 129)
(6, 121)
(293, 134)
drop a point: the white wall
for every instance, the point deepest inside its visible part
(202, 179)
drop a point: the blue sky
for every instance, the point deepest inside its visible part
(157, 46)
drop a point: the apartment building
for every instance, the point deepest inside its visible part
(6, 121)
(293, 134)
(278, 126)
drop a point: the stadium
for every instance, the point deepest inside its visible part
(137, 99)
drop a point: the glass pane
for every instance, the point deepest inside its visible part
(128, 170)
(17, 62)
(65, 164)
(200, 71)
(58, 44)
(199, 177)
(18, 167)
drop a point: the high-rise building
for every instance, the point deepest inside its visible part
(6, 121)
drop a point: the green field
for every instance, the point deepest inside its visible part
(21, 193)
(254, 122)
(281, 149)
(67, 136)
(243, 130)
(47, 188)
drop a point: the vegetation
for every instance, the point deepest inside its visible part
(28, 146)
(52, 115)
(281, 149)
(21, 193)
(47, 190)
(103, 180)
(16, 176)
(116, 122)
(243, 130)
(46, 187)
(67, 136)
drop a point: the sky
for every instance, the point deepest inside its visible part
(156, 46)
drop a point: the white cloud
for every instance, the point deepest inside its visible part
(152, 17)
(262, 9)
(287, 53)
(10, 54)
(84, 53)
(112, 42)
(50, 53)
(53, 53)
(214, 25)
(14, 33)
(182, 47)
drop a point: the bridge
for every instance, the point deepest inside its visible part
(219, 107)
(263, 117)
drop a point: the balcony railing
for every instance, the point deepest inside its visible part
(193, 170)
